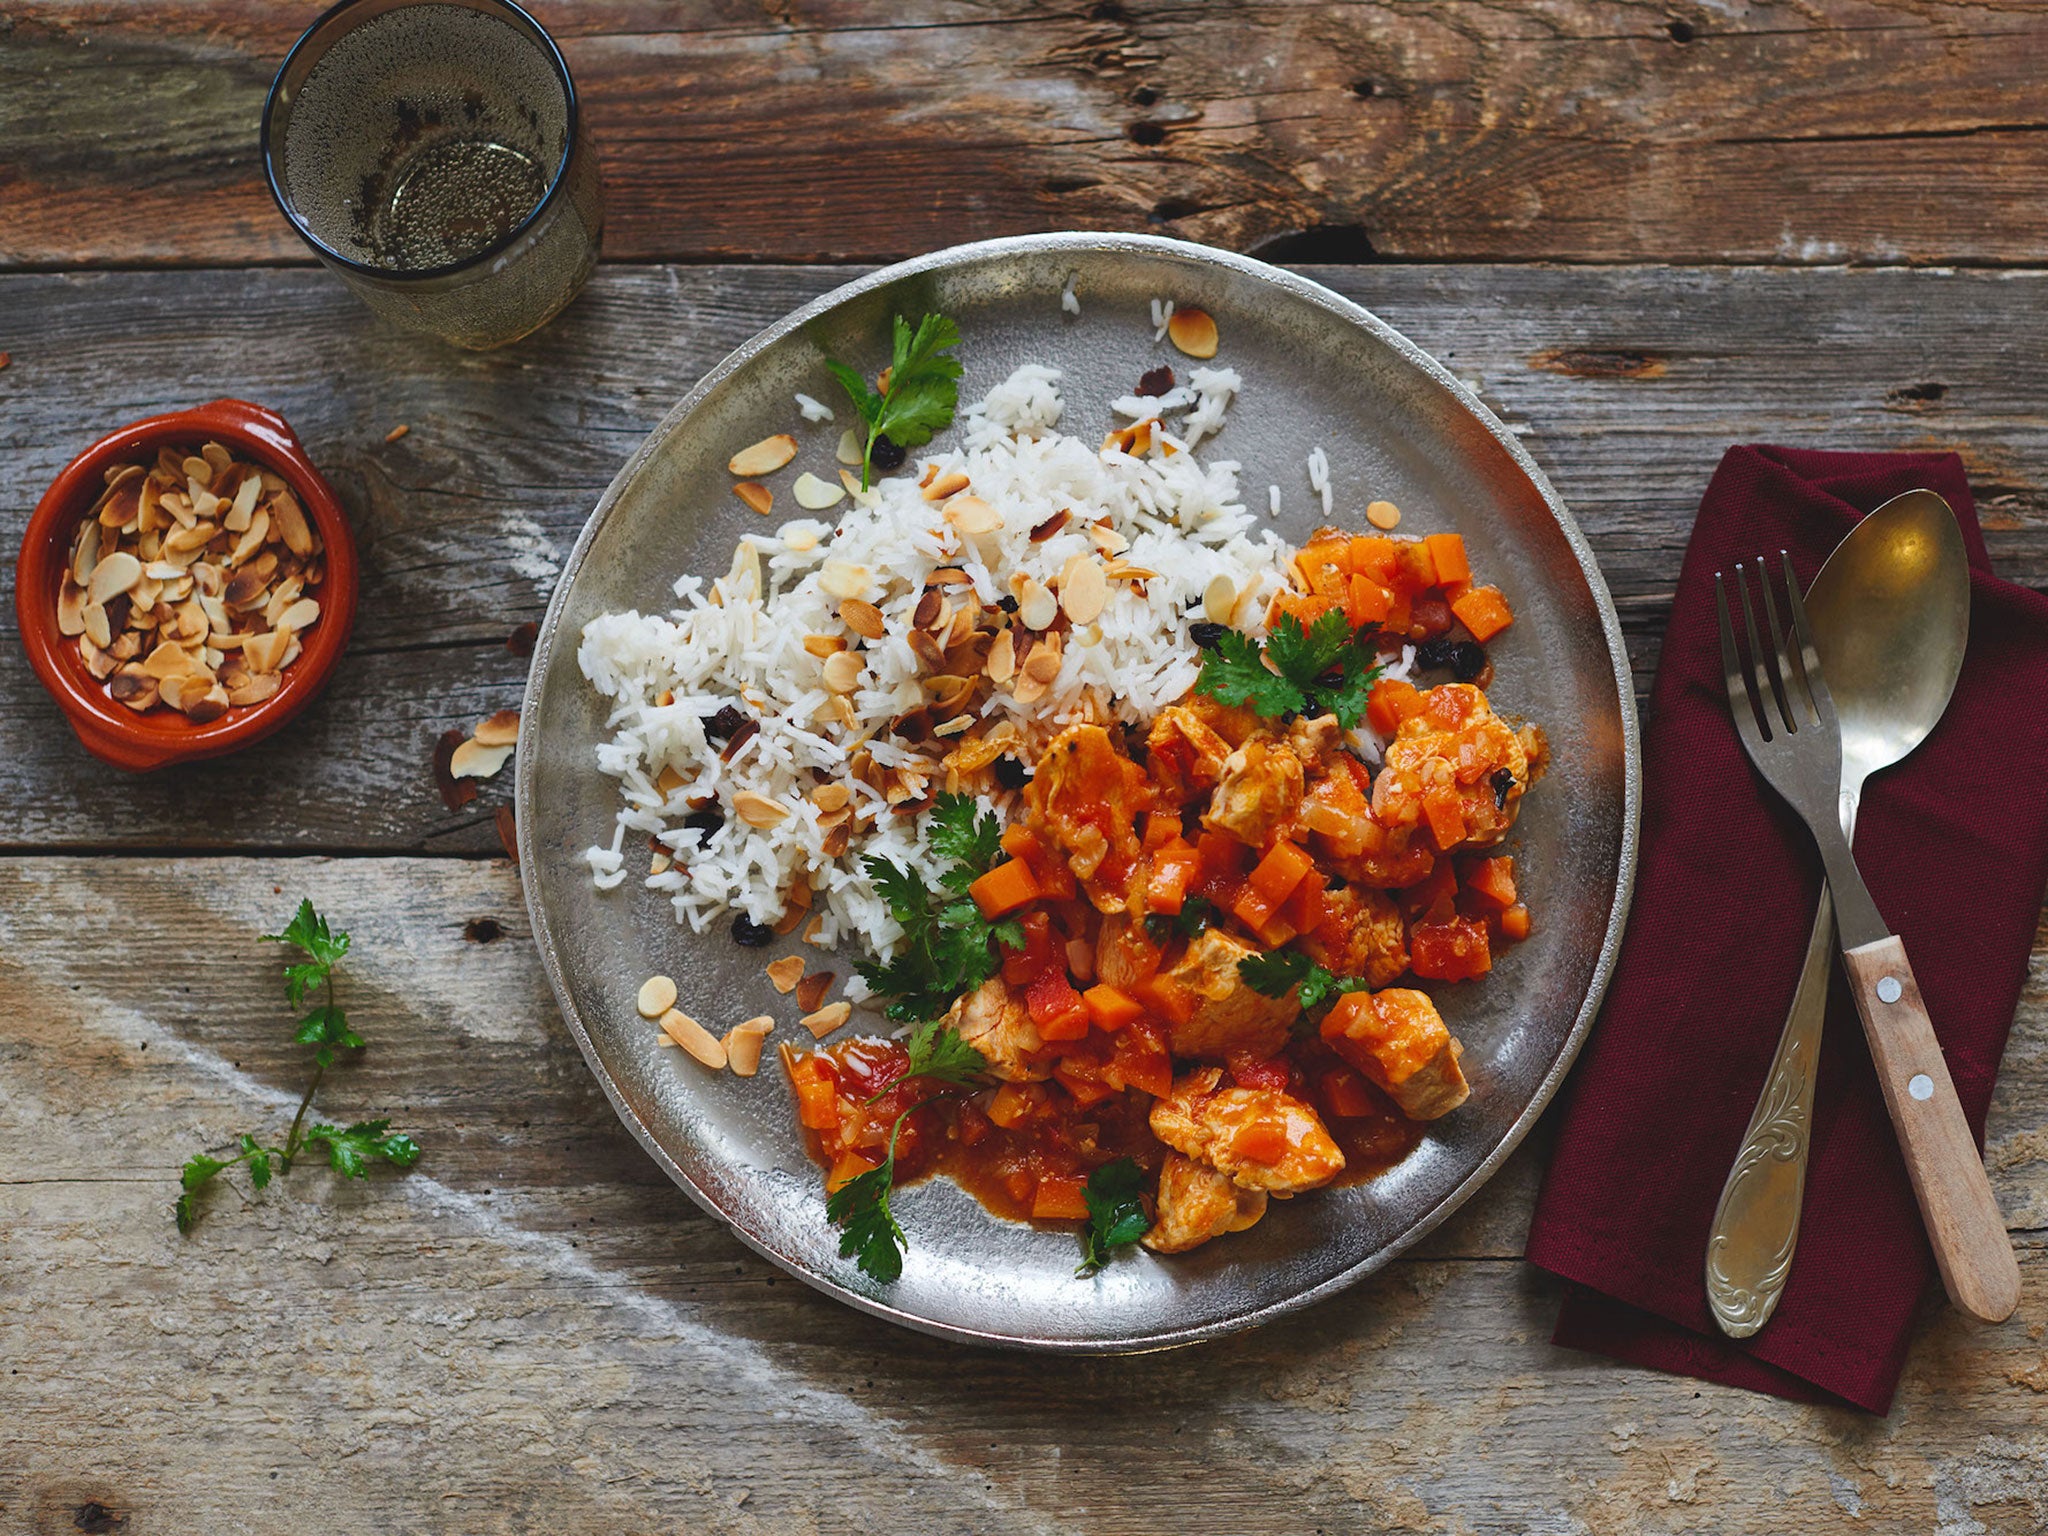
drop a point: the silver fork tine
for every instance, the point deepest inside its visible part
(1731, 671)
(1809, 658)
(1792, 702)
(1760, 659)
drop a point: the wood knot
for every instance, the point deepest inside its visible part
(1913, 397)
(1598, 363)
(483, 930)
(92, 1515)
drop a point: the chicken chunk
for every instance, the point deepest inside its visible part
(1361, 934)
(1197, 1203)
(1258, 1138)
(1455, 772)
(1229, 1014)
(1087, 795)
(996, 1023)
(1124, 953)
(1258, 794)
(1315, 741)
(1183, 753)
(1399, 1041)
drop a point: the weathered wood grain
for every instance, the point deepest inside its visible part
(1582, 130)
(1628, 382)
(533, 1331)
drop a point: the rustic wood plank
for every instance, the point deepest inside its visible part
(1628, 382)
(532, 1330)
(1579, 130)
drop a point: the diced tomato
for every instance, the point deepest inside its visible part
(1013, 1104)
(1390, 702)
(1249, 1071)
(1400, 614)
(1433, 892)
(1514, 923)
(1059, 1197)
(1446, 817)
(1020, 1185)
(1085, 1089)
(1414, 568)
(1431, 615)
(1010, 885)
(1452, 951)
(1224, 864)
(1055, 1007)
(1166, 998)
(1141, 1060)
(1111, 1009)
(1449, 708)
(1040, 950)
(971, 1125)
(1305, 606)
(1492, 881)
(847, 1167)
(1447, 554)
(1260, 1141)
(1483, 611)
(1346, 1095)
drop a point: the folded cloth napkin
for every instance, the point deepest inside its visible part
(1953, 843)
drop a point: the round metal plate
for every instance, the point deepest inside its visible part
(1318, 370)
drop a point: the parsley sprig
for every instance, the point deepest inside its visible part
(1329, 665)
(350, 1149)
(1281, 971)
(1116, 1213)
(947, 950)
(921, 393)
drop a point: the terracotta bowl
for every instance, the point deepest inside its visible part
(113, 732)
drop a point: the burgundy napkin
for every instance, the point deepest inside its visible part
(1953, 843)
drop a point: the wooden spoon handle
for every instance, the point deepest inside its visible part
(1969, 1237)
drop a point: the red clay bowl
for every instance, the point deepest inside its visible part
(112, 732)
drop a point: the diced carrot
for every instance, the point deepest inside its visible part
(1453, 590)
(1324, 578)
(847, 1167)
(1373, 557)
(1251, 909)
(1346, 1096)
(1086, 1090)
(1161, 828)
(1020, 842)
(1277, 930)
(816, 1095)
(1446, 817)
(1492, 881)
(1452, 951)
(1261, 1141)
(1447, 553)
(1366, 602)
(1390, 702)
(1166, 998)
(1005, 888)
(1414, 569)
(1400, 614)
(1013, 1102)
(1111, 1009)
(1175, 868)
(1279, 872)
(1055, 1006)
(1483, 611)
(1304, 909)
(1060, 1197)
(1141, 1061)
(1351, 1010)
(1514, 923)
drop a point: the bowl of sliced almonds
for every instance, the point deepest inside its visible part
(186, 585)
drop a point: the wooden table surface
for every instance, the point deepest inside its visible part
(1644, 232)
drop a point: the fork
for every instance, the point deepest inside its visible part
(1787, 723)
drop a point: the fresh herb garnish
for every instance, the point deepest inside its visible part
(1116, 1213)
(325, 1027)
(1326, 666)
(947, 950)
(1195, 914)
(1283, 971)
(922, 390)
(944, 1056)
(860, 1207)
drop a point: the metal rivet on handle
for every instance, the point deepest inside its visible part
(1921, 1086)
(1888, 991)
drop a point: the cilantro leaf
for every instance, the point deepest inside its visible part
(309, 932)
(946, 951)
(971, 841)
(194, 1177)
(860, 1207)
(258, 1160)
(350, 1151)
(1195, 914)
(945, 1056)
(1235, 673)
(1116, 1212)
(922, 392)
(1328, 665)
(1282, 972)
(326, 1025)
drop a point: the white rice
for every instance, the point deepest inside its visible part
(741, 640)
(1319, 476)
(814, 410)
(1273, 500)
(1068, 302)
(1162, 314)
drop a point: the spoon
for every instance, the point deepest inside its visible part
(1891, 617)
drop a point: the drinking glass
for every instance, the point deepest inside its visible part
(429, 152)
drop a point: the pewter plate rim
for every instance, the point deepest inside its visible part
(1340, 309)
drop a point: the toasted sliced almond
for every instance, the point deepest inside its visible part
(290, 519)
(755, 495)
(169, 660)
(668, 781)
(763, 458)
(863, 618)
(657, 996)
(812, 990)
(743, 1044)
(757, 810)
(99, 663)
(824, 645)
(831, 797)
(134, 687)
(1084, 590)
(971, 515)
(799, 538)
(1043, 664)
(70, 607)
(115, 574)
(473, 760)
(1193, 332)
(1037, 607)
(849, 449)
(814, 495)
(201, 708)
(823, 1021)
(816, 925)
(694, 1038)
(796, 902)
(842, 579)
(1219, 598)
(950, 483)
(1383, 515)
(254, 689)
(98, 627)
(499, 730)
(842, 670)
(1001, 665)
(266, 653)
(786, 972)
(251, 540)
(217, 457)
